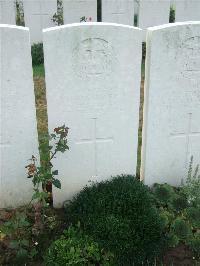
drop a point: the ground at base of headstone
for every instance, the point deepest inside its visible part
(54, 223)
(178, 256)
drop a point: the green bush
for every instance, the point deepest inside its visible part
(180, 212)
(172, 15)
(191, 186)
(193, 215)
(37, 54)
(195, 244)
(181, 229)
(75, 248)
(164, 193)
(119, 215)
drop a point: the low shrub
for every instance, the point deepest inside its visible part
(76, 248)
(37, 54)
(179, 209)
(120, 216)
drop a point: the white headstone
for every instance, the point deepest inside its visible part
(187, 10)
(38, 14)
(171, 133)
(75, 10)
(7, 12)
(153, 13)
(18, 134)
(118, 11)
(93, 86)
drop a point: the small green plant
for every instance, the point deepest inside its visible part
(76, 248)
(58, 17)
(19, 13)
(180, 211)
(26, 225)
(164, 193)
(172, 14)
(37, 54)
(191, 186)
(44, 175)
(181, 228)
(18, 232)
(120, 216)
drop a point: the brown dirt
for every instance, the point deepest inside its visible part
(179, 256)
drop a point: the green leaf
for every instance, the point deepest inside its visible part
(25, 242)
(53, 136)
(33, 253)
(55, 172)
(14, 244)
(56, 183)
(22, 253)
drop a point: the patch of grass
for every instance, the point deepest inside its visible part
(38, 71)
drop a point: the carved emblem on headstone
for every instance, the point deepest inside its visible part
(92, 57)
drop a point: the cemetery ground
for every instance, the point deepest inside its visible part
(175, 227)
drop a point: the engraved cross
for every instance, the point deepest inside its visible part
(188, 134)
(94, 141)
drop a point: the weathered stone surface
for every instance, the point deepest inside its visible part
(74, 10)
(118, 11)
(93, 86)
(187, 10)
(7, 12)
(153, 13)
(38, 15)
(171, 133)
(18, 134)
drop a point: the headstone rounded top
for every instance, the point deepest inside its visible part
(173, 25)
(14, 27)
(91, 24)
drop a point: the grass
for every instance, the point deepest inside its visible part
(38, 71)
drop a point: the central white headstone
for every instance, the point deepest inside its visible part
(118, 11)
(93, 86)
(18, 130)
(75, 10)
(7, 12)
(38, 14)
(171, 133)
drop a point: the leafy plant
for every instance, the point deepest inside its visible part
(76, 248)
(43, 175)
(172, 14)
(191, 186)
(181, 228)
(195, 244)
(180, 211)
(19, 13)
(18, 232)
(37, 54)
(120, 216)
(58, 17)
(193, 216)
(164, 194)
